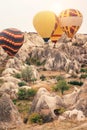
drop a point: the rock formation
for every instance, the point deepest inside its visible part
(9, 115)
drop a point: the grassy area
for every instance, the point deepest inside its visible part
(23, 107)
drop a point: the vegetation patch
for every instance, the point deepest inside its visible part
(61, 86)
(43, 77)
(24, 94)
(76, 83)
(35, 61)
(35, 118)
(17, 75)
(22, 83)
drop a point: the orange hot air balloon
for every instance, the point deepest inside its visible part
(70, 20)
(44, 23)
(11, 39)
(57, 32)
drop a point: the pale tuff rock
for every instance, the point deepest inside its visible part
(77, 113)
(11, 88)
(9, 71)
(44, 100)
(9, 115)
(56, 59)
(3, 54)
(81, 103)
(71, 98)
(14, 63)
(7, 78)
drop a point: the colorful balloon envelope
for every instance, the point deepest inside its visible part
(44, 23)
(71, 20)
(57, 32)
(11, 39)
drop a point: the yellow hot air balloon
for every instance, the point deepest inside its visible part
(44, 23)
(57, 32)
(71, 20)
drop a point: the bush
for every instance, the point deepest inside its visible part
(27, 74)
(61, 86)
(59, 78)
(35, 118)
(76, 83)
(20, 84)
(83, 70)
(59, 111)
(24, 94)
(35, 61)
(17, 75)
(83, 76)
(42, 77)
(31, 93)
(14, 101)
(33, 80)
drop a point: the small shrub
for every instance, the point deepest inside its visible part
(35, 118)
(83, 70)
(42, 77)
(61, 86)
(59, 111)
(22, 94)
(20, 84)
(35, 61)
(17, 75)
(76, 83)
(59, 78)
(44, 69)
(31, 93)
(83, 76)
(14, 101)
(27, 74)
(33, 80)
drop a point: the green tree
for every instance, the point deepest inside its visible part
(27, 74)
(61, 86)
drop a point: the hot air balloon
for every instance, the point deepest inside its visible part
(71, 20)
(57, 32)
(11, 39)
(44, 23)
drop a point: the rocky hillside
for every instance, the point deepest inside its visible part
(68, 56)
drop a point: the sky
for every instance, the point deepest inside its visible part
(19, 13)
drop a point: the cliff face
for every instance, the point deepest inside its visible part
(67, 55)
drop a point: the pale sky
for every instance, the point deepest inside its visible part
(19, 13)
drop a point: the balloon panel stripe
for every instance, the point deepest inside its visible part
(70, 13)
(16, 32)
(13, 35)
(70, 31)
(6, 43)
(56, 35)
(9, 51)
(8, 47)
(10, 42)
(11, 38)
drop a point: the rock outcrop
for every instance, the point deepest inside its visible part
(9, 115)
(45, 101)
